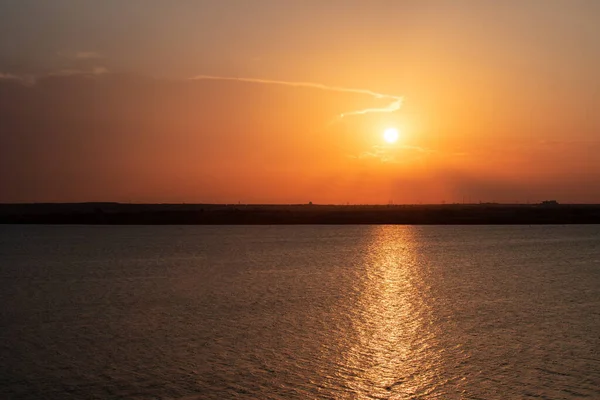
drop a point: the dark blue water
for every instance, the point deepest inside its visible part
(300, 312)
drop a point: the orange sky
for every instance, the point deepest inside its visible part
(499, 102)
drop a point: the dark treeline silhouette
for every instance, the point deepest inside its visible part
(214, 214)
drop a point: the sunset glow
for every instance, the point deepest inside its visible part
(218, 104)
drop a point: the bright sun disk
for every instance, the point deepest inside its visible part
(390, 135)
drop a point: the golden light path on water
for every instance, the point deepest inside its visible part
(390, 355)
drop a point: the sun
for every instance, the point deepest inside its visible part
(391, 135)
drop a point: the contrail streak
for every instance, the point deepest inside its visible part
(393, 106)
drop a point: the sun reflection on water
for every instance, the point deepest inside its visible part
(391, 319)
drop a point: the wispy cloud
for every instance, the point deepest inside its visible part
(396, 101)
(8, 77)
(23, 79)
(32, 79)
(73, 72)
(392, 153)
(417, 148)
(80, 55)
(87, 55)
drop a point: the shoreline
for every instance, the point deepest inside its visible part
(238, 214)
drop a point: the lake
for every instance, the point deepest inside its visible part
(300, 312)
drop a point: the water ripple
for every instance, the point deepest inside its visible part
(386, 312)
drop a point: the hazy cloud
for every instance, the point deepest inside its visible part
(87, 55)
(392, 153)
(69, 72)
(23, 79)
(81, 55)
(32, 79)
(8, 77)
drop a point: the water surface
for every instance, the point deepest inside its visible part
(341, 312)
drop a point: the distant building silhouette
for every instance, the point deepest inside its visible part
(549, 203)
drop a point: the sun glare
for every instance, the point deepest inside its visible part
(390, 135)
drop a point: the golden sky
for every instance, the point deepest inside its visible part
(287, 101)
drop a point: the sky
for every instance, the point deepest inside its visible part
(270, 101)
